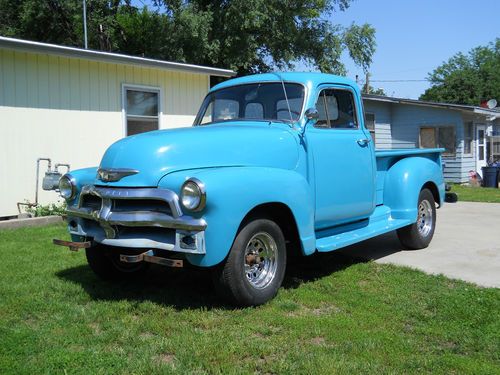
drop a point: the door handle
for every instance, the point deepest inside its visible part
(364, 142)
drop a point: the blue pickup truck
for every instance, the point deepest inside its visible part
(273, 164)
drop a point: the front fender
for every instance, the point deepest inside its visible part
(403, 182)
(232, 192)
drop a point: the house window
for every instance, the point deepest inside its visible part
(370, 124)
(442, 137)
(142, 108)
(468, 134)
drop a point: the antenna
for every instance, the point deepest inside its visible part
(286, 97)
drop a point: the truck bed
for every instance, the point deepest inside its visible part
(386, 158)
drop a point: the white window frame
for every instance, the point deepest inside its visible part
(135, 87)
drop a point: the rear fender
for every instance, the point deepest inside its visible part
(404, 181)
(233, 192)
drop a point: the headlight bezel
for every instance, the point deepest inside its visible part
(200, 187)
(72, 183)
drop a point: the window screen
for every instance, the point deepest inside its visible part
(442, 137)
(468, 129)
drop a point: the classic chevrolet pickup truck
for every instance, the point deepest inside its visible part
(273, 164)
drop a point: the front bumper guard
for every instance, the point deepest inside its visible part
(147, 256)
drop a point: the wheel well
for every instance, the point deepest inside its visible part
(434, 190)
(281, 214)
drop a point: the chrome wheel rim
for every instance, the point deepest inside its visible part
(425, 219)
(261, 255)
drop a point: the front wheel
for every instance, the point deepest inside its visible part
(419, 234)
(255, 266)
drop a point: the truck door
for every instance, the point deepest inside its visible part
(342, 157)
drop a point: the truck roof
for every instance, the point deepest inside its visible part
(309, 79)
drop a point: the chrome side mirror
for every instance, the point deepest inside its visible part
(312, 114)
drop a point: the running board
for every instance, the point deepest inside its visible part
(379, 223)
(150, 258)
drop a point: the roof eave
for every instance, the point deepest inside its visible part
(456, 107)
(30, 46)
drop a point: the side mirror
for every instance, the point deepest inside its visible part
(312, 114)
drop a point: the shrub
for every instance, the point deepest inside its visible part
(50, 209)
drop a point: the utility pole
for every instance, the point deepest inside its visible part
(85, 23)
(367, 83)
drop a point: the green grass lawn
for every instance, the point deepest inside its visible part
(476, 194)
(334, 315)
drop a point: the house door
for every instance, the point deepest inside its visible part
(480, 148)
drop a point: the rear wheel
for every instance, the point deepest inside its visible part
(105, 262)
(419, 234)
(255, 266)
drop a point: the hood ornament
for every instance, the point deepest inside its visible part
(114, 174)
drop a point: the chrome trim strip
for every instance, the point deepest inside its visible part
(106, 218)
(114, 174)
(155, 219)
(138, 243)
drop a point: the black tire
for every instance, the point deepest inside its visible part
(419, 234)
(242, 279)
(106, 264)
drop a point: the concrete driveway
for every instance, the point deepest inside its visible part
(466, 245)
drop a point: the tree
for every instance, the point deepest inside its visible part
(247, 36)
(467, 78)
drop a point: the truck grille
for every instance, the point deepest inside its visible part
(94, 203)
(91, 201)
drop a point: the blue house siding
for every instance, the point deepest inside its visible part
(406, 123)
(397, 125)
(382, 112)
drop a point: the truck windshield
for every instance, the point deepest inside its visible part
(256, 101)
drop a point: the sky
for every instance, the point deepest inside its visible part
(416, 36)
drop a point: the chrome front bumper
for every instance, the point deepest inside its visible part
(129, 217)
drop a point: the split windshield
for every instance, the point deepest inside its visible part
(256, 101)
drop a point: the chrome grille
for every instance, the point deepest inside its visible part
(91, 201)
(136, 205)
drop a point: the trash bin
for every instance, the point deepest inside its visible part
(490, 176)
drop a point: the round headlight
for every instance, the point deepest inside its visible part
(67, 186)
(193, 196)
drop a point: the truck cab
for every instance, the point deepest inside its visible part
(273, 163)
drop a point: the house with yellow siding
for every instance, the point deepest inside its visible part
(69, 104)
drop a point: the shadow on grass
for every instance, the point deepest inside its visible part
(193, 288)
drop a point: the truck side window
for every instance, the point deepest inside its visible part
(336, 109)
(321, 108)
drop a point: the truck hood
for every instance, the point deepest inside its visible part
(156, 154)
